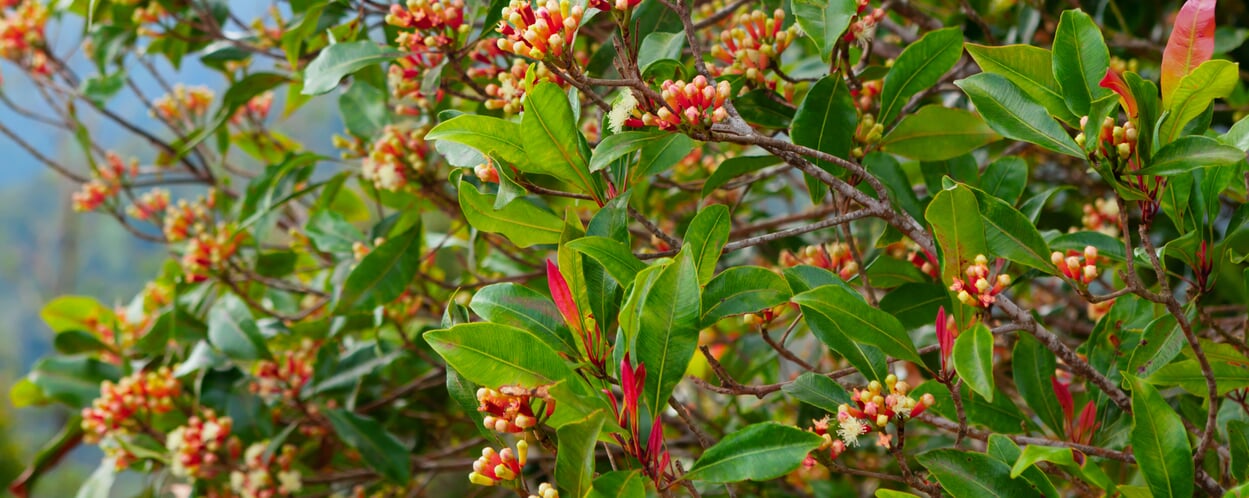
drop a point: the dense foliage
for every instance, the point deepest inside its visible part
(655, 247)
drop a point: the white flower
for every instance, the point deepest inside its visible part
(621, 109)
(254, 452)
(210, 431)
(851, 429)
(290, 481)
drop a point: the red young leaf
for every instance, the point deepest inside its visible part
(1064, 399)
(562, 296)
(1191, 43)
(945, 339)
(1115, 83)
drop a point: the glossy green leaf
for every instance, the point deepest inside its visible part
(886, 272)
(1160, 443)
(521, 222)
(740, 290)
(1005, 179)
(889, 493)
(1186, 154)
(524, 308)
(1032, 367)
(1065, 458)
(659, 45)
(76, 313)
(1031, 69)
(1006, 451)
(72, 380)
(574, 460)
(100, 482)
(829, 328)
(735, 167)
(492, 137)
(920, 65)
(1160, 343)
(380, 449)
(658, 156)
(1080, 60)
(668, 328)
(619, 484)
(956, 222)
(77, 341)
(1015, 115)
(1238, 135)
(915, 304)
(1213, 79)
(758, 452)
(818, 391)
(825, 121)
(973, 359)
(937, 133)
(551, 139)
(330, 232)
(232, 331)
(824, 21)
(864, 323)
(341, 59)
(614, 256)
(1238, 441)
(364, 110)
(706, 236)
(1010, 235)
(383, 274)
(1187, 374)
(965, 474)
(759, 107)
(623, 144)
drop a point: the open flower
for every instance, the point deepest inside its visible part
(981, 287)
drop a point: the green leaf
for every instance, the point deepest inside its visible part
(956, 223)
(100, 482)
(76, 313)
(492, 137)
(619, 145)
(1006, 179)
(574, 460)
(887, 272)
(758, 452)
(1238, 439)
(661, 154)
(1010, 235)
(1006, 451)
(740, 290)
(825, 121)
(734, 167)
(77, 341)
(1189, 153)
(1160, 343)
(867, 324)
(889, 493)
(551, 140)
(1238, 135)
(1029, 68)
(824, 21)
(818, 391)
(937, 133)
(668, 328)
(657, 46)
(615, 257)
(1107, 246)
(72, 380)
(1014, 115)
(232, 331)
(99, 89)
(341, 59)
(521, 222)
(383, 274)
(759, 107)
(973, 359)
(886, 168)
(619, 484)
(915, 304)
(1080, 60)
(965, 474)
(1213, 79)
(524, 308)
(706, 236)
(1035, 453)
(920, 65)
(364, 110)
(1187, 374)
(1032, 366)
(330, 232)
(1160, 443)
(380, 449)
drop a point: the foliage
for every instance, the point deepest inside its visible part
(642, 247)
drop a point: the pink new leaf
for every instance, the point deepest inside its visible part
(1114, 82)
(1191, 43)
(562, 296)
(1064, 399)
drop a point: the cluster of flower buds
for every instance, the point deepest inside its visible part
(395, 156)
(1072, 266)
(106, 183)
(750, 50)
(138, 395)
(255, 110)
(405, 78)
(981, 288)
(545, 490)
(436, 23)
(925, 261)
(184, 104)
(546, 32)
(22, 38)
(696, 104)
(621, 6)
(867, 93)
(149, 205)
(1116, 142)
(207, 251)
(267, 475)
(1102, 216)
(186, 218)
(486, 172)
(507, 92)
(863, 28)
(874, 407)
(496, 466)
(509, 410)
(867, 133)
(833, 256)
(285, 376)
(198, 446)
(834, 446)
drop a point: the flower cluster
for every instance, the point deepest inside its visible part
(1077, 269)
(285, 376)
(1102, 216)
(509, 410)
(267, 475)
(199, 446)
(863, 28)
(865, 96)
(395, 156)
(256, 109)
(22, 38)
(184, 104)
(751, 50)
(696, 103)
(186, 218)
(874, 407)
(405, 79)
(120, 405)
(868, 133)
(981, 288)
(208, 250)
(548, 31)
(495, 466)
(833, 256)
(545, 490)
(835, 447)
(1115, 141)
(507, 92)
(435, 22)
(106, 184)
(149, 205)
